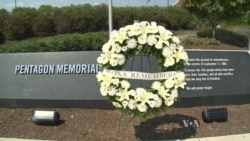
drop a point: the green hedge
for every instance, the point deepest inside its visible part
(195, 41)
(65, 42)
(1, 38)
(26, 22)
(226, 36)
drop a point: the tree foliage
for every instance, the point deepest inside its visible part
(16, 28)
(216, 11)
(48, 20)
(4, 14)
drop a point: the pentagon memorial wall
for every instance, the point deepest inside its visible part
(67, 79)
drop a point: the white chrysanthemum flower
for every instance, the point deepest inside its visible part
(115, 82)
(132, 104)
(112, 91)
(169, 101)
(140, 90)
(107, 56)
(116, 104)
(121, 59)
(176, 40)
(117, 59)
(106, 47)
(158, 103)
(151, 40)
(159, 44)
(99, 76)
(131, 43)
(156, 97)
(151, 104)
(167, 52)
(113, 62)
(125, 84)
(154, 24)
(104, 58)
(142, 107)
(169, 83)
(100, 59)
(156, 85)
(169, 62)
(142, 39)
(132, 93)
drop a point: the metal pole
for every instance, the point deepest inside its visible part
(15, 3)
(248, 43)
(110, 18)
(148, 2)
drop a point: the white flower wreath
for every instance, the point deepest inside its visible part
(149, 39)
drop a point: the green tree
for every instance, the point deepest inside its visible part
(216, 11)
(4, 14)
(48, 10)
(99, 18)
(25, 12)
(179, 18)
(16, 28)
(123, 16)
(43, 25)
(27, 15)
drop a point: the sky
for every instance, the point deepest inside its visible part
(10, 4)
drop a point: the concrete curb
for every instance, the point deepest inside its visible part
(238, 137)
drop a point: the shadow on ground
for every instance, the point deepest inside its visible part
(164, 127)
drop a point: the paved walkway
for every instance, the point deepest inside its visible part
(239, 137)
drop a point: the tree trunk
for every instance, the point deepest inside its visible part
(214, 25)
(213, 32)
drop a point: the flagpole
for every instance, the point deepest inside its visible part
(148, 2)
(110, 18)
